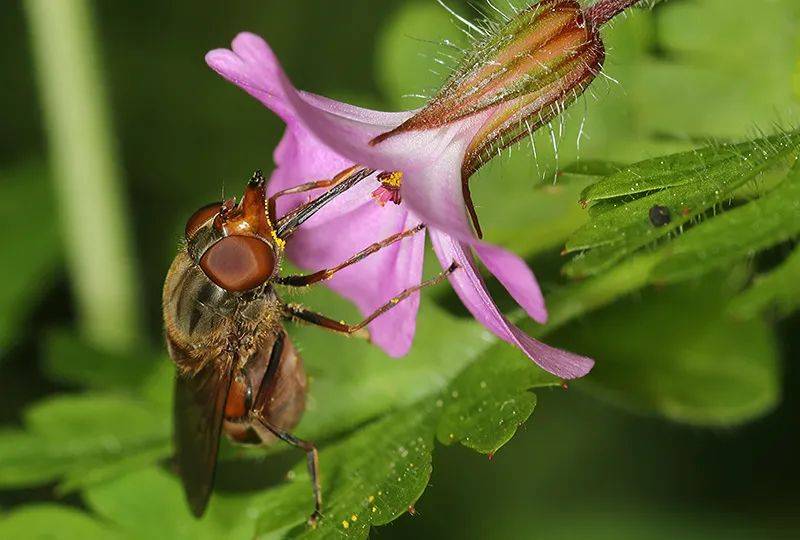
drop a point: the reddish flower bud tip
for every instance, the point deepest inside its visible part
(603, 11)
(525, 73)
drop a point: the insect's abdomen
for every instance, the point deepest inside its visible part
(284, 396)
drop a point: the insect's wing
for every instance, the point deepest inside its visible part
(198, 416)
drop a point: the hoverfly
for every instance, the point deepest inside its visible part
(237, 370)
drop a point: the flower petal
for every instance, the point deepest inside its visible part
(252, 65)
(353, 219)
(516, 277)
(335, 236)
(430, 159)
(434, 193)
(470, 287)
(300, 158)
(348, 224)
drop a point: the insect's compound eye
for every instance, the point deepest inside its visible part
(239, 263)
(201, 217)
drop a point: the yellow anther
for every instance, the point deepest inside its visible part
(392, 179)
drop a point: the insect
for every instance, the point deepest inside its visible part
(238, 372)
(659, 216)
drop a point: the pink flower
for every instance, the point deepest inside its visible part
(433, 152)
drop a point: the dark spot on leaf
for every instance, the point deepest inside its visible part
(660, 216)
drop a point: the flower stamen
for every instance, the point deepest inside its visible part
(389, 189)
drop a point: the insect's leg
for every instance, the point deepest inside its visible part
(322, 275)
(272, 368)
(344, 181)
(312, 458)
(300, 313)
(308, 186)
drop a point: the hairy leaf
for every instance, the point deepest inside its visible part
(676, 170)
(628, 226)
(735, 234)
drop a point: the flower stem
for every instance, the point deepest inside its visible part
(604, 10)
(87, 179)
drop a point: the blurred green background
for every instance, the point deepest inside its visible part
(630, 453)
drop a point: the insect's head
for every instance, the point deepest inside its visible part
(235, 244)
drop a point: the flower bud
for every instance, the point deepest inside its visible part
(526, 73)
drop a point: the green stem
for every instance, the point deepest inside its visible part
(87, 178)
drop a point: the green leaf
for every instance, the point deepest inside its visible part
(675, 170)
(686, 192)
(373, 383)
(51, 521)
(378, 473)
(777, 291)
(680, 357)
(735, 234)
(150, 504)
(76, 437)
(31, 224)
(490, 399)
